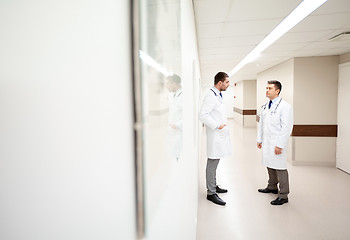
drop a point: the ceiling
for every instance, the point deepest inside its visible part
(227, 30)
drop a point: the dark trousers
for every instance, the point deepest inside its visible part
(279, 176)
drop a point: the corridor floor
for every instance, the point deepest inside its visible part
(318, 208)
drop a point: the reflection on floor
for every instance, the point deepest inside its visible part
(318, 208)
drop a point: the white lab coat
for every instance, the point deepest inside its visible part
(175, 124)
(274, 128)
(213, 114)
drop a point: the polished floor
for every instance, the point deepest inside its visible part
(318, 208)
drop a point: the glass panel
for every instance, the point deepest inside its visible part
(160, 71)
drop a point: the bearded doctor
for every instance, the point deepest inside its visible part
(213, 115)
(274, 128)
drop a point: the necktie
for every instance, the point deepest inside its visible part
(220, 95)
(270, 103)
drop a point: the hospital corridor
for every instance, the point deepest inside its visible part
(318, 202)
(174, 120)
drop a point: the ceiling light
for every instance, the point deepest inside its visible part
(298, 14)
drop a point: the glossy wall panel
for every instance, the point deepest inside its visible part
(161, 100)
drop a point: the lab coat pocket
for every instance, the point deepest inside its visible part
(219, 140)
(222, 132)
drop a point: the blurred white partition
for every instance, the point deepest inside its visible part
(343, 141)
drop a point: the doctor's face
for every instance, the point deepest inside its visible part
(170, 86)
(224, 85)
(271, 91)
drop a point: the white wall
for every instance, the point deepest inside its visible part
(284, 73)
(239, 89)
(249, 97)
(315, 103)
(188, 176)
(315, 88)
(66, 146)
(238, 102)
(343, 141)
(245, 92)
(228, 100)
(249, 102)
(344, 58)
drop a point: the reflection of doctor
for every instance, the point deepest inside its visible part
(213, 115)
(173, 84)
(274, 128)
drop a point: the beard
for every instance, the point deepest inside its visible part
(223, 88)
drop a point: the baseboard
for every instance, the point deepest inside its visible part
(310, 163)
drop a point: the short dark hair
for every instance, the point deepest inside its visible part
(220, 77)
(174, 78)
(277, 84)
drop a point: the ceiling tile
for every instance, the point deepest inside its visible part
(243, 28)
(302, 37)
(210, 30)
(256, 10)
(332, 6)
(322, 22)
(208, 42)
(210, 11)
(245, 40)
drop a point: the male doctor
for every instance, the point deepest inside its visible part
(213, 115)
(174, 143)
(274, 128)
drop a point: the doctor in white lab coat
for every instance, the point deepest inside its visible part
(274, 128)
(174, 140)
(213, 115)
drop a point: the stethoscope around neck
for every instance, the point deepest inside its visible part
(272, 112)
(216, 93)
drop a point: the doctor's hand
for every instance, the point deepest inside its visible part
(278, 150)
(259, 145)
(221, 126)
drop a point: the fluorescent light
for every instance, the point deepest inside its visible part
(298, 14)
(152, 63)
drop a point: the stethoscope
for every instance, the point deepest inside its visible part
(272, 112)
(217, 95)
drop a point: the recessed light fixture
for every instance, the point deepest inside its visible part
(299, 13)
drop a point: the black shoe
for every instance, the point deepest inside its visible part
(215, 199)
(279, 201)
(220, 190)
(266, 190)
